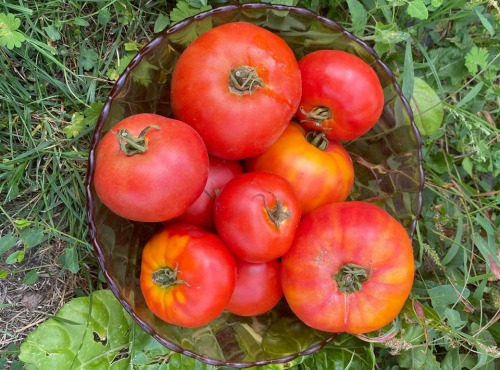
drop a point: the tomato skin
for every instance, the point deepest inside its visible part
(345, 84)
(142, 187)
(242, 222)
(348, 233)
(317, 176)
(220, 172)
(234, 126)
(202, 261)
(258, 288)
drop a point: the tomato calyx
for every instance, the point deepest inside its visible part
(244, 80)
(317, 139)
(351, 277)
(317, 115)
(130, 144)
(277, 214)
(166, 277)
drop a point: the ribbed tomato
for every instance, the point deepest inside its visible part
(319, 170)
(187, 275)
(350, 268)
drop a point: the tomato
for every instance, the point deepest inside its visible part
(256, 215)
(199, 213)
(350, 268)
(187, 275)
(258, 288)
(159, 180)
(341, 94)
(238, 85)
(319, 170)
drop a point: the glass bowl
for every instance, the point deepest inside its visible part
(388, 173)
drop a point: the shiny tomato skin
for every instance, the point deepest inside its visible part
(242, 221)
(345, 84)
(220, 172)
(258, 288)
(344, 233)
(156, 185)
(236, 126)
(317, 176)
(205, 267)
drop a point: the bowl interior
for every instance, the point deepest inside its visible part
(387, 164)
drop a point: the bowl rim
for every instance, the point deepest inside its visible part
(157, 39)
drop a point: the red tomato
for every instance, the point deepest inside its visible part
(350, 268)
(200, 212)
(341, 94)
(256, 215)
(158, 181)
(319, 170)
(238, 85)
(187, 275)
(258, 288)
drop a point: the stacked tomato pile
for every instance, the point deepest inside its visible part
(250, 182)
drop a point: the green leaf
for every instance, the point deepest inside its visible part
(436, 3)
(103, 16)
(470, 95)
(485, 22)
(476, 58)
(6, 242)
(184, 10)
(468, 165)
(409, 72)
(76, 126)
(9, 36)
(443, 295)
(81, 22)
(417, 9)
(161, 23)
(359, 16)
(88, 58)
(344, 352)
(52, 33)
(15, 257)
(70, 260)
(3, 275)
(427, 108)
(31, 277)
(31, 236)
(92, 113)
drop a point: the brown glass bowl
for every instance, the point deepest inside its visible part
(387, 163)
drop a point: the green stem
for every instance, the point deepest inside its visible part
(130, 144)
(317, 115)
(276, 214)
(317, 139)
(244, 80)
(351, 277)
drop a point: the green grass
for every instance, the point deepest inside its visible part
(64, 56)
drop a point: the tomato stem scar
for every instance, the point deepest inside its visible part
(276, 214)
(317, 115)
(166, 277)
(351, 277)
(317, 139)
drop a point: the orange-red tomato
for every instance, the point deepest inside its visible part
(350, 268)
(258, 288)
(341, 94)
(158, 181)
(187, 275)
(320, 170)
(238, 85)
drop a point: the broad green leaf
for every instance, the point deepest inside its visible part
(470, 95)
(418, 358)
(81, 22)
(52, 33)
(359, 16)
(436, 3)
(427, 108)
(70, 259)
(6, 242)
(485, 22)
(161, 23)
(468, 165)
(76, 126)
(103, 16)
(443, 295)
(92, 113)
(343, 352)
(31, 277)
(15, 257)
(10, 37)
(31, 236)
(417, 9)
